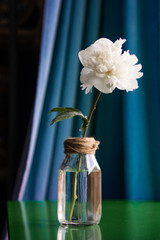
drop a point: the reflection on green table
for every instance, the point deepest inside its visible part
(120, 220)
(84, 233)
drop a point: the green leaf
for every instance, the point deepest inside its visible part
(65, 115)
(64, 109)
(68, 112)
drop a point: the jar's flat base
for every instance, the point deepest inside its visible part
(78, 223)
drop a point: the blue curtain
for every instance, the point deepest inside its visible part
(127, 124)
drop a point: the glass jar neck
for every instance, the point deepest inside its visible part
(80, 162)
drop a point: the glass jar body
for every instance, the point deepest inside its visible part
(79, 190)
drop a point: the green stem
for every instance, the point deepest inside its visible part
(74, 195)
(91, 112)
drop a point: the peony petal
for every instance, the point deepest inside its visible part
(89, 79)
(107, 68)
(98, 56)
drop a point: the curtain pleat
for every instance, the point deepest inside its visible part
(90, 34)
(34, 167)
(142, 107)
(126, 124)
(68, 93)
(109, 115)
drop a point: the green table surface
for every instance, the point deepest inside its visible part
(120, 220)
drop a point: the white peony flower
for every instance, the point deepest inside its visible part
(107, 68)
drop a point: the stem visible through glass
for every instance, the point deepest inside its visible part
(74, 195)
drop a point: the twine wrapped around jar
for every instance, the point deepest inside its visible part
(87, 145)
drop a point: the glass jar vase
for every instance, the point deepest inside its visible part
(79, 189)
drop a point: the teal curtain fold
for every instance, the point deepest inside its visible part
(68, 92)
(142, 107)
(36, 172)
(127, 124)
